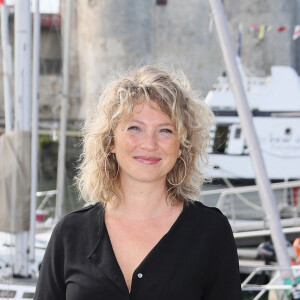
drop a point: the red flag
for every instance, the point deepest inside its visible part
(296, 32)
(281, 28)
(253, 27)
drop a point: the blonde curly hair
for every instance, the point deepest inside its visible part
(98, 177)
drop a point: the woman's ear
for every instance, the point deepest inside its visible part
(179, 152)
(112, 149)
(112, 144)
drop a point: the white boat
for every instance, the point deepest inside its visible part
(275, 105)
(18, 290)
(13, 286)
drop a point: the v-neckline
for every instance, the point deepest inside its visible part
(149, 254)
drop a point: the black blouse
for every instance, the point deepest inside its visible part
(196, 259)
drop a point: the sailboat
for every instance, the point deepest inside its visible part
(275, 108)
(287, 274)
(21, 249)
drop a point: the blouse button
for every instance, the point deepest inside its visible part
(139, 275)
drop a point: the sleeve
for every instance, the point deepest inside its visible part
(223, 281)
(51, 283)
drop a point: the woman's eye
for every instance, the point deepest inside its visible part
(133, 128)
(166, 130)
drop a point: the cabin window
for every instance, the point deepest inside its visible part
(237, 133)
(288, 131)
(7, 294)
(220, 139)
(28, 295)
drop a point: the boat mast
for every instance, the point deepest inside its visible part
(35, 127)
(22, 98)
(7, 67)
(265, 191)
(60, 186)
(22, 65)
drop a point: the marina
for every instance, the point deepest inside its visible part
(254, 164)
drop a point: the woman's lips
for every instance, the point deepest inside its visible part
(147, 160)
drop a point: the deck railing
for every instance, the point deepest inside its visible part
(275, 283)
(236, 202)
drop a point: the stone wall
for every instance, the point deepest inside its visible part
(276, 48)
(108, 36)
(113, 35)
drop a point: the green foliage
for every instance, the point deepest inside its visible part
(45, 142)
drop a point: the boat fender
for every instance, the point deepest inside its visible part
(266, 251)
(296, 246)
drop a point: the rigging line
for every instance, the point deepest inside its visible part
(264, 150)
(241, 197)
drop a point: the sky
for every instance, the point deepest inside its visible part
(46, 6)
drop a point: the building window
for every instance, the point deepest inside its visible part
(50, 21)
(161, 2)
(50, 66)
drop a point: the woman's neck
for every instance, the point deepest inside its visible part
(142, 200)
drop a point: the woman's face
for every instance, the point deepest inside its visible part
(146, 146)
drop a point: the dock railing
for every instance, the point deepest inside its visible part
(243, 202)
(275, 283)
(47, 195)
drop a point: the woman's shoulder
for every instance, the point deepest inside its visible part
(208, 221)
(199, 207)
(76, 234)
(84, 219)
(204, 213)
(87, 209)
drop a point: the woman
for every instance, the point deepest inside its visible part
(146, 236)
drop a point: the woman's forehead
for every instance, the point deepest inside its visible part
(143, 111)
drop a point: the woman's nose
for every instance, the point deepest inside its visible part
(149, 142)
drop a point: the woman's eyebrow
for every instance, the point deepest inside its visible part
(161, 124)
(137, 121)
